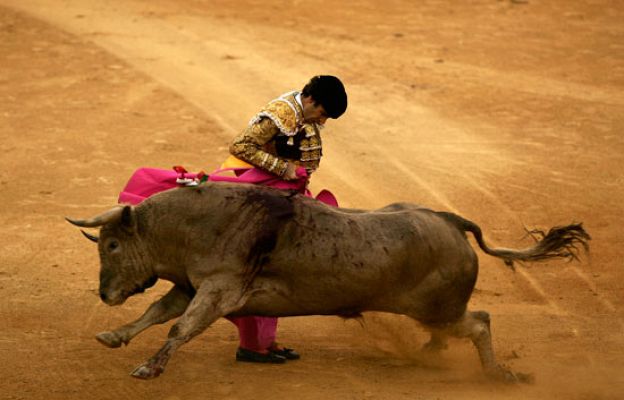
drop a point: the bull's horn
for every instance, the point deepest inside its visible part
(111, 215)
(90, 237)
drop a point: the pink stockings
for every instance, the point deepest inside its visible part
(256, 333)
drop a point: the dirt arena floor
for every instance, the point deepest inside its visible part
(507, 112)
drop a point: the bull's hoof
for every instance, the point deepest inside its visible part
(109, 339)
(146, 371)
(504, 375)
(525, 378)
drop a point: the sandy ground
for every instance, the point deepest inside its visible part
(507, 112)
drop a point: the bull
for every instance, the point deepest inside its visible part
(237, 249)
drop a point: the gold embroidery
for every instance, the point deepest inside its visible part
(254, 146)
(285, 113)
(312, 143)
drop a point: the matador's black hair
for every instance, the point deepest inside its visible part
(329, 92)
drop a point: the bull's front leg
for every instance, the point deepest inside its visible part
(170, 306)
(211, 302)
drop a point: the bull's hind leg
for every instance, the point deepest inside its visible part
(476, 326)
(437, 342)
(211, 302)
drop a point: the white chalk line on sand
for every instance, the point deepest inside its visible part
(579, 273)
(552, 303)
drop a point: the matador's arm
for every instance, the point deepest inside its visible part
(249, 146)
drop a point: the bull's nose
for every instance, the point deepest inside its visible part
(103, 296)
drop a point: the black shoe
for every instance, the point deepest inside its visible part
(287, 353)
(253, 356)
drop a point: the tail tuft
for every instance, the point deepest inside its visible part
(560, 241)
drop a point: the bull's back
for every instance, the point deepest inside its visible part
(341, 263)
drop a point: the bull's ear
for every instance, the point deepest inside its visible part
(128, 219)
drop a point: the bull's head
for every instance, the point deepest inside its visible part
(124, 264)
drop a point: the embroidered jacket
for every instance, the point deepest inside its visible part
(277, 135)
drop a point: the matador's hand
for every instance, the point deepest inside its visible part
(291, 172)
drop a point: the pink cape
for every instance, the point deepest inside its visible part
(145, 182)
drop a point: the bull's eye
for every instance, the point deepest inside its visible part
(113, 245)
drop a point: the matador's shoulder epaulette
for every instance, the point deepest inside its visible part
(285, 112)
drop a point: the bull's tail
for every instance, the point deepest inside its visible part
(559, 242)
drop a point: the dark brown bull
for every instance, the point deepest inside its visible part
(233, 249)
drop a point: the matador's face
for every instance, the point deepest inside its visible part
(312, 111)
